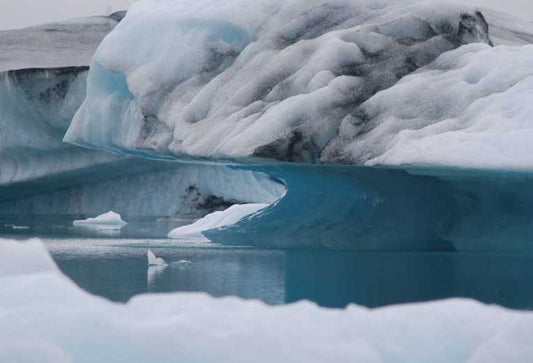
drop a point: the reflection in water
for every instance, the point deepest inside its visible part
(117, 269)
(377, 279)
(152, 275)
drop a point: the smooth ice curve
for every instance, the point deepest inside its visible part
(217, 220)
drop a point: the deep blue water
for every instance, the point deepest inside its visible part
(117, 269)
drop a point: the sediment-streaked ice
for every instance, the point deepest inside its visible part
(278, 80)
(470, 108)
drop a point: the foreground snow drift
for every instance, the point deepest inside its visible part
(45, 317)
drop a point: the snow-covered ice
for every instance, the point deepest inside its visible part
(45, 317)
(153, 260)
(277, 80)
(470, 108)
(109, 220)
(215, 220)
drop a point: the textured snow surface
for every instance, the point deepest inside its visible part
(109, 220)
(47, 318)
(274, 80)
(217, 219)
(470, 108)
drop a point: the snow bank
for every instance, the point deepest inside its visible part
(216, 220)
(471, 108)
(275, 80)
(109, 220)
(46, 318)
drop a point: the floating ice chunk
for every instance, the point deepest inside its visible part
(217, 220)
(155, 261)
(109, 220)
(13, 226)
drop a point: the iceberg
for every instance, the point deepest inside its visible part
(109, 220)
(217, 220)
(357, 124)
(278, 82)
(47, 318)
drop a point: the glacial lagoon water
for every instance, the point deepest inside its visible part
(116, 268)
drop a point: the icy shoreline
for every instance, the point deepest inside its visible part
(47, 318)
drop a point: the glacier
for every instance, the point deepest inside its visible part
(40, 308)
(277, 83)
(342, 93)
(297, 127)
(371, 125)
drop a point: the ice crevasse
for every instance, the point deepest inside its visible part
(415, 87)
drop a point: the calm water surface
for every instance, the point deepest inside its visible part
(117, 269)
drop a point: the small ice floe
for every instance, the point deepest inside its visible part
(106, 221)
(155, 261)
(19, 227)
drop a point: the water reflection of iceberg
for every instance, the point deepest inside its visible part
(151, 276)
